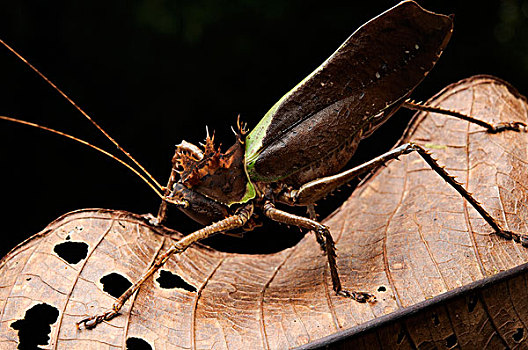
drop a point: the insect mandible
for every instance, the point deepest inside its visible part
(295, 154)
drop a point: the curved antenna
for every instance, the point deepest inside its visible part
(83, 113)
(86, 143)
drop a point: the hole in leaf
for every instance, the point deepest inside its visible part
(72, 252)
(382, 289)
(169, 280)
(472, 302)
(133, 343)
(68, 237)
(436, 321)
(451, 341)
(34, 328)
(115, 284)
(401, 336)
(518, 336)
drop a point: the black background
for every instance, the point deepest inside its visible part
(155, 72)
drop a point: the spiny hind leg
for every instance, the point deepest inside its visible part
(499, 230)
(315, 189)
(491, 128)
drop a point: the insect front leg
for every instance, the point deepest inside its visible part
(322, 233)
(162, 211)
(239, 219)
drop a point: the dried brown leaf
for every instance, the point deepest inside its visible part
(404, 235)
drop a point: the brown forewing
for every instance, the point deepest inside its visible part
(354, 91)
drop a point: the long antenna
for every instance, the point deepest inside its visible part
(108, 154)
(83, 113)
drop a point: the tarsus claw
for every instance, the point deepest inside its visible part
(514, 126)
(93, 321)
(360, 297)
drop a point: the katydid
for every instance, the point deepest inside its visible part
(294, 156)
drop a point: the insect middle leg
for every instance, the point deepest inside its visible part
(323, 235)
(238, 220)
